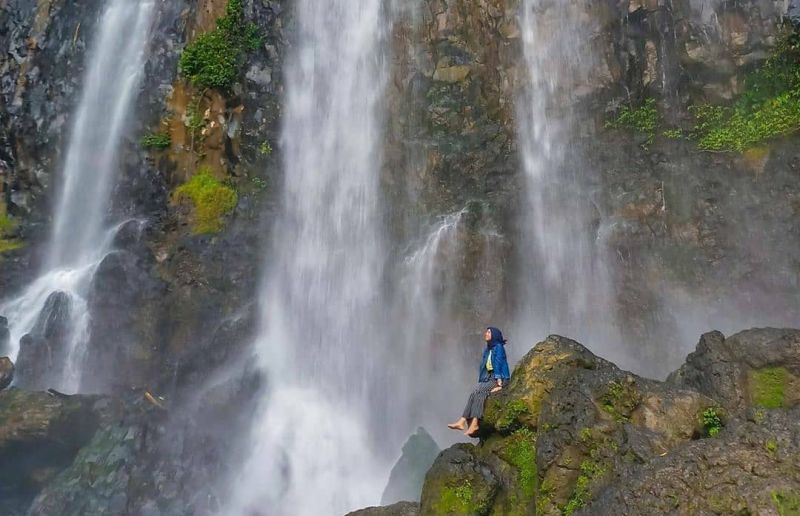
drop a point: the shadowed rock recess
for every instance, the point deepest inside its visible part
(574, 434)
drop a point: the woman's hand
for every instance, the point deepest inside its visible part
(496, 389)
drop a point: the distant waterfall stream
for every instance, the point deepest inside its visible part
(567, 286)
(81, 235)
(321, 297)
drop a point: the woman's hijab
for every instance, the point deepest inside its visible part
(497, 337)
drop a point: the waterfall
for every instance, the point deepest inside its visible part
(320, 340)
(567, 284)
(81, 235)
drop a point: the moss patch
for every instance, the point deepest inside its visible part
(214, 59)
(461, 498)
(620, 400)
(712, 423)
(787, 503)
(767, 387)
(156, 141)
(520, 452)
(7, 227)
(510, 416)
(211, 199)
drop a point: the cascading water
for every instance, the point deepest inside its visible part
(568, 286)
(319, 340)
(81, 236)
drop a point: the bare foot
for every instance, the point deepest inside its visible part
(458, 425)
(473, 428)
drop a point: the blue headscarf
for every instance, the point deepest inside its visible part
(497, 337)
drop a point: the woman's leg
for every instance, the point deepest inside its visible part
(476, 401)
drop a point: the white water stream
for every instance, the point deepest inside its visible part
(319, 341)
(81, 236)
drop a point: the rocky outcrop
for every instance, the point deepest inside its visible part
(574, 433)
(43, 352)
(398, 509)
(40, 435)
(5, 335)
(6, 372)
(408, 474)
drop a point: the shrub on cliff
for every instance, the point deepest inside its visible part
(213, 60)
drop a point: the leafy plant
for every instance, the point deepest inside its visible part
(643, 119)
(213, 60)
(712, 423)
(265, 148)
(156, 141)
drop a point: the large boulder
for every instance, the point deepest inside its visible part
(574, 433)
(398, 509)
(6, 372)
(755, 368)
(408, 474)
(43, 352)
(40, 434)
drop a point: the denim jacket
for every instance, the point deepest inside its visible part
(499, 364)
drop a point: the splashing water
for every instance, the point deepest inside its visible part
(81, 237)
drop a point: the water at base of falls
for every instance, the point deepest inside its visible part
(81, 237)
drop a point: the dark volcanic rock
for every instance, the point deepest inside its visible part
(6, 372)
(398, 509)
(572, 433)
(754, 368)
(39, 436)
(408, 475)
(43, 351)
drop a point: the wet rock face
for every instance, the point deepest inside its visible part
(43, 352)
(398, 509)
(572, 432)
(6, 372)
(5, 335)
(39, 436)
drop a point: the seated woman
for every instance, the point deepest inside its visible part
(493, 375)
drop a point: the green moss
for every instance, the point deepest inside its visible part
(520, 452)
(768, 108)
(510, 416)
(211, 199)
(213, 60)
(767, 387)
(787, 503)
(459, 498)
(712, 423)
(7, 228)
(620, 400)
(591, 470)
(156, 141)
(643, 119)
(771, 446)
(265, 148)
(673, 134)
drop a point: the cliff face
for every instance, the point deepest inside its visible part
(572, 433)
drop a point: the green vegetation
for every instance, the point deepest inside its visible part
(212, 200)
(520, 452)
(620, 400)
(769, 106)
(767, 387)
(591, 470)
(643, 119)
(711, 422)
(673, 134)
(510, 416)
(156, 141)
(213, 60)
(265, 148)
(457, 499)
(259, 183)
(787, 503)
(771, 446)
(7, 227)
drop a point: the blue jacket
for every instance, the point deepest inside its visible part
(499, 364)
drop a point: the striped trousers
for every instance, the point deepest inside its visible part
(477, 399)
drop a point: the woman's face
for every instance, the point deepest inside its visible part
(488, 335)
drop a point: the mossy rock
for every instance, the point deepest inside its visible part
(458, 483)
